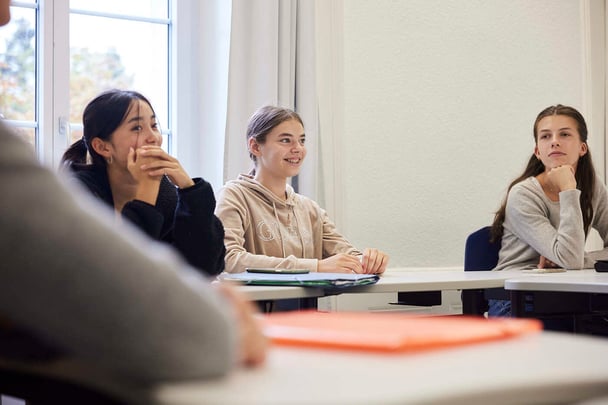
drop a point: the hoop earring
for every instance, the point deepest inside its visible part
(109, 160)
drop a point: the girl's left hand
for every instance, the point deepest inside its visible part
(252, 343)
(164, 164)
(545, 263)
(374, 261)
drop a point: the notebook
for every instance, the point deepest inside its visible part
(388, 332)
(323, 280)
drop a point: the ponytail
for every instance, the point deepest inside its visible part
(75, 155)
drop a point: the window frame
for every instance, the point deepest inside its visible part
(53, 74)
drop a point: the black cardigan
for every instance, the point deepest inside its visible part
(182, 217)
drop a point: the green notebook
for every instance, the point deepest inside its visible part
(322, 280)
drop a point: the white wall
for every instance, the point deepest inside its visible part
(439, 101)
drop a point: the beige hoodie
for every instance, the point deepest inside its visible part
(261, 230)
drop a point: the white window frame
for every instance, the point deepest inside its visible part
(52, 70)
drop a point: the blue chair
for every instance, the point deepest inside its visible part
(564, 312)
(480, 253)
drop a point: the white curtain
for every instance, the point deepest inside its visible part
(202, 74)
(257, 52)
(272, 61)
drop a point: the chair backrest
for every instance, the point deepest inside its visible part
(35, 387)
(479, 252)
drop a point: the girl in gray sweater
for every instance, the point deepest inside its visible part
(548, 211)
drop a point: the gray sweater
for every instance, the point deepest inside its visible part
(534, 226)
(105, 295)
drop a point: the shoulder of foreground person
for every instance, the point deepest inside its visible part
(105, 294)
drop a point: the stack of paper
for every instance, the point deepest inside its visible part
(327, 280)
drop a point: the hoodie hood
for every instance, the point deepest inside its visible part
(247, 181)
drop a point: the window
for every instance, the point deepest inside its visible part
(129, 50)
(18, 70)
(57, 55)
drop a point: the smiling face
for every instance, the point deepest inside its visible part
(137, 129)
(282, 154)
(558, 142)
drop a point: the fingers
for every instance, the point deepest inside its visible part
(541, 262)
(131, 155)
(351, 264)
(151, 150)
(343, 263)
(131, 159)
(374, 261)
(134, 163)
(340, 263)
(252, 343)
(159, 167)
(381, 264)
(565, 167)
(544, 263)
(146, 155)
(156, 162)
(562, 177)
(369, 256)
(154, 157)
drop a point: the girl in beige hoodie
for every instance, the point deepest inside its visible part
(267, 224)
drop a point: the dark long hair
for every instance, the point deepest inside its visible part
(264, 120)
(585, 172)
(101, 117)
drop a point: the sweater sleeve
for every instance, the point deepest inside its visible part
(198, 234)
(144, 216)
(233, 212)
(67, 274)
(333, 241)
(529, 220)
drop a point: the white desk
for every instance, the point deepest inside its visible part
(274, 292)
(585, 281)
(542, 368)
(395, 280)
(411, 280)
(578, 297)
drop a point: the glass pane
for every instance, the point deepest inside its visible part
(138, 8)
(17, 66)
(137, 61)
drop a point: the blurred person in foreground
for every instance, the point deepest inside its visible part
(108, 301)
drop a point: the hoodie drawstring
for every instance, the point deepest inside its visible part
(293, 210)
(276, 217)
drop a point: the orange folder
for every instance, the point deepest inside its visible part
(388, 332)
